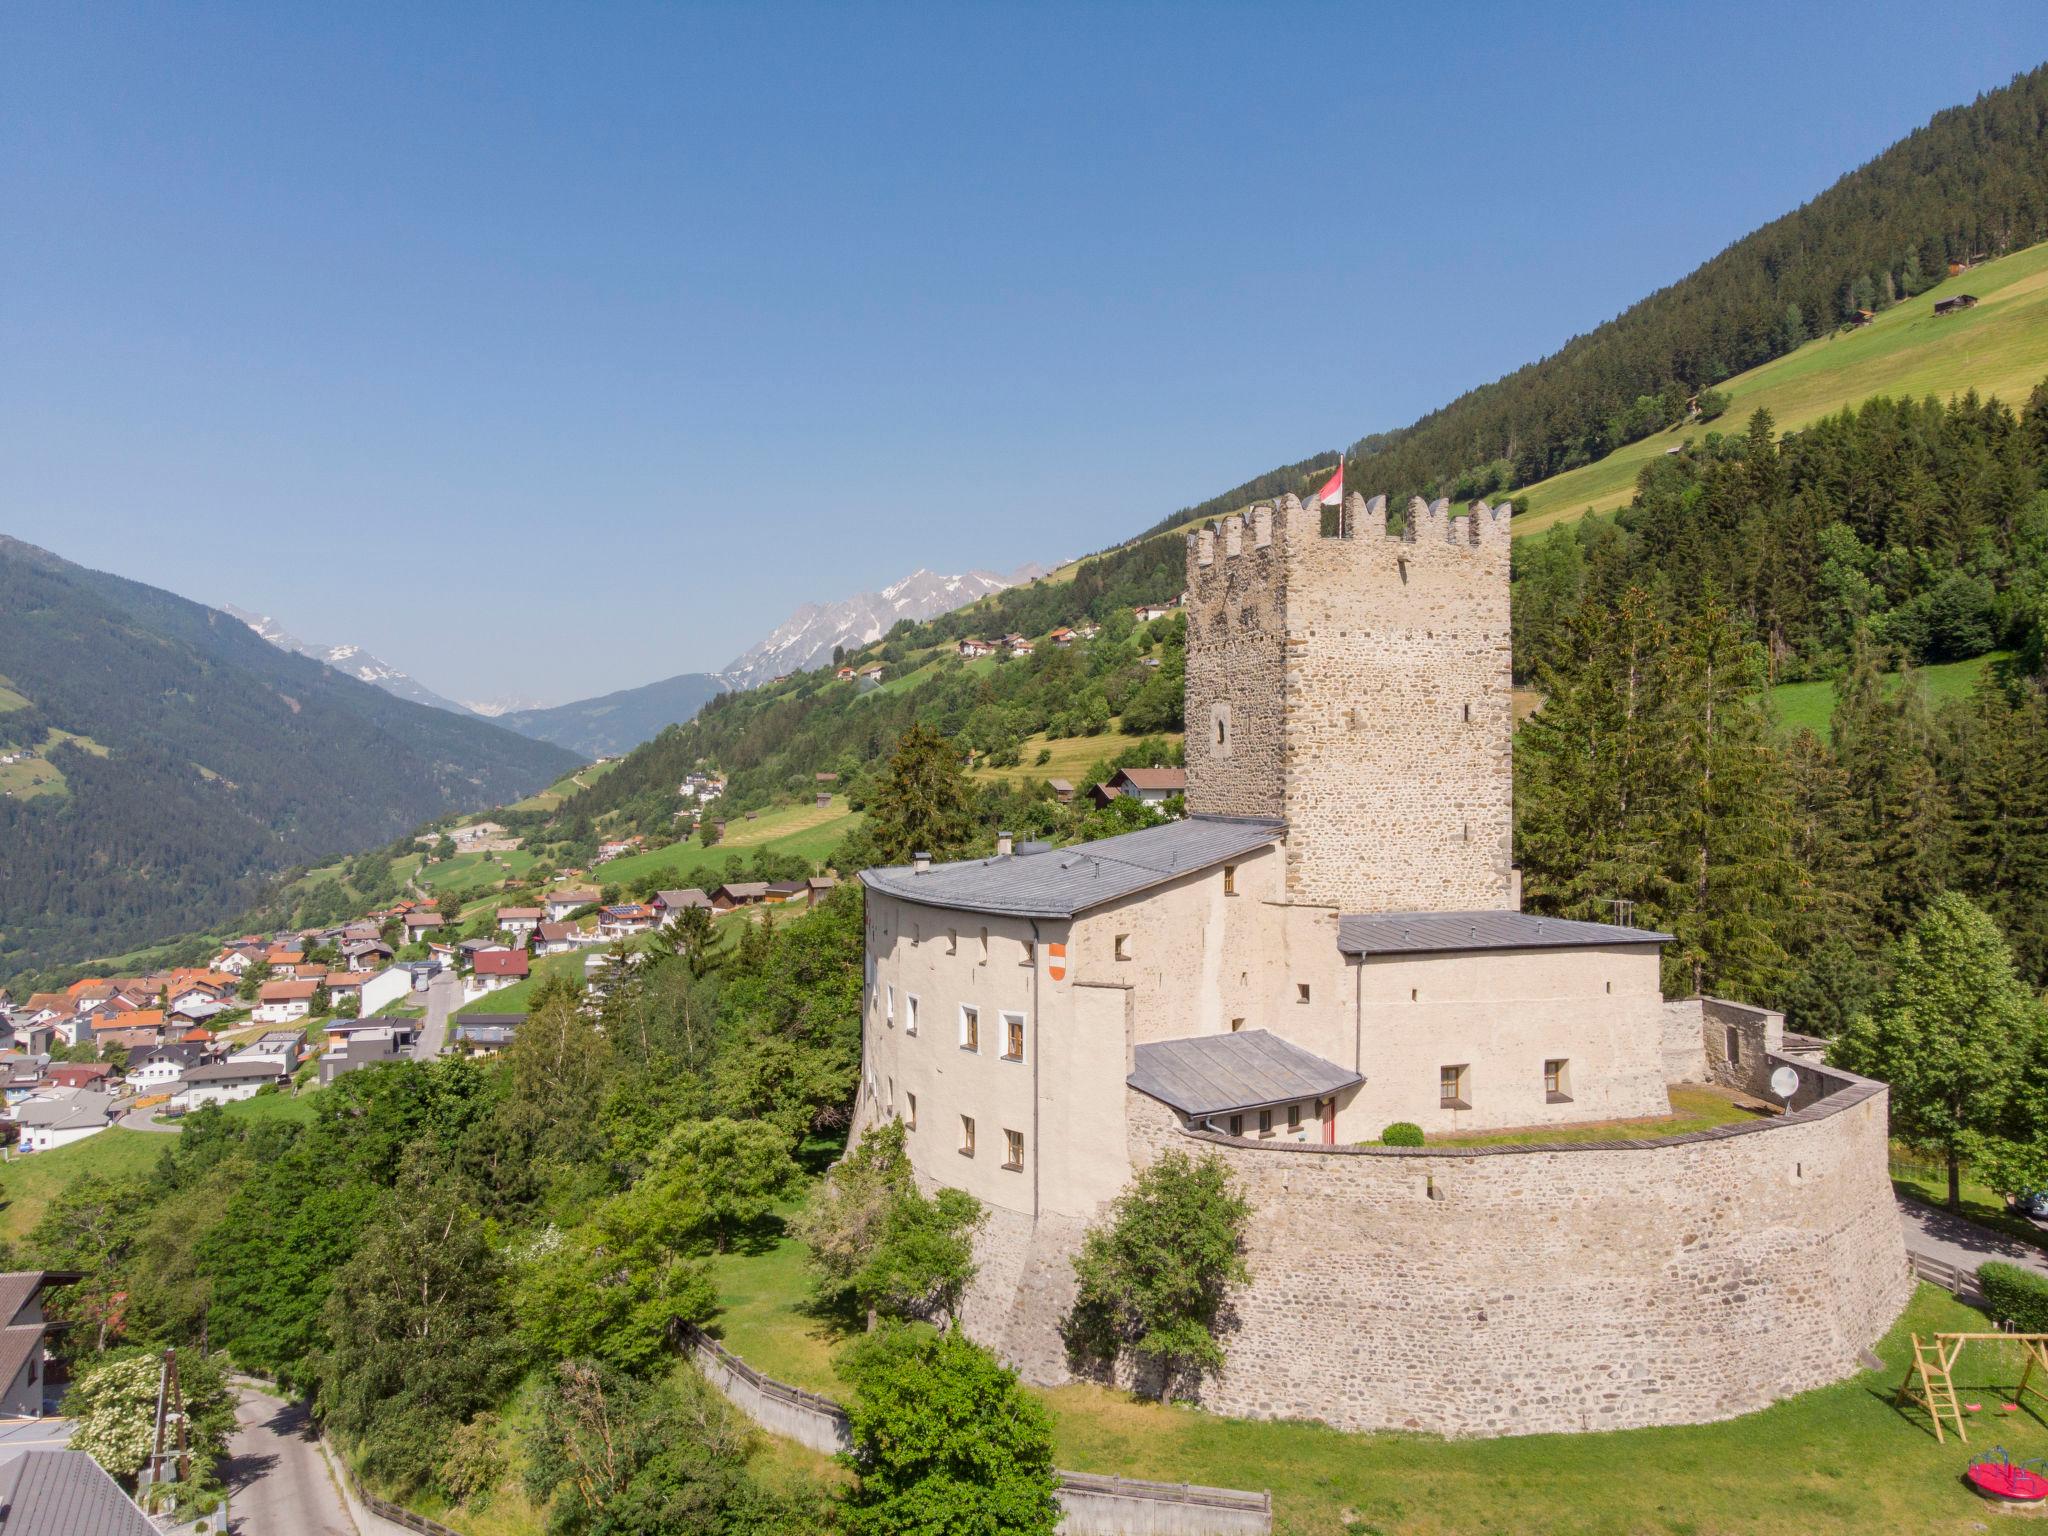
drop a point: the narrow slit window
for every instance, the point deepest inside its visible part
(910, 1111)
(970, 1028)
(1123, 946)
(1230, 879)
(1301, 991)
(952, 941)
(967, 1135)
(909, 1013)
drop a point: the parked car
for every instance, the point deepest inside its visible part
(2032, 1202)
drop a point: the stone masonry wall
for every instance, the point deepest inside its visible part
(1364, 685)
(1510, 1290)
(1237, 612)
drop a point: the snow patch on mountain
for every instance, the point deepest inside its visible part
(351, 660)
(807, 637)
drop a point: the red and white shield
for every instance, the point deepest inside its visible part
(1056, 961)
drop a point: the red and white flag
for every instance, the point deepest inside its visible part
(1332, 493)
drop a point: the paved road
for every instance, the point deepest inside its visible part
(444, 996)
(1953, 1240)
(277, 1479)
(146, 1120)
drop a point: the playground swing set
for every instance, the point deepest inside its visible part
(1930, 1382)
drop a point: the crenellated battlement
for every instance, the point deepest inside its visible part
(1355, 681)
(1277, 531)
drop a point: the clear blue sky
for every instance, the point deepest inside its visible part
(454, 330)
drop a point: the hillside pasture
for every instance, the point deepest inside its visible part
(1811, 706)
(806, 831)
(567, 785)
(1998, 348)
(1071, 758)
(29, 1181)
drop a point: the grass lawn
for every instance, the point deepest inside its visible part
(1811, 706)
(1693, 1108)
(1837, 1460)
(1998, 348)
(467, 869)
(9, 699)
(29, 1181)
(513, 999)
(1071, 756)
(806, 831)
(567, 785)
(272, 1106)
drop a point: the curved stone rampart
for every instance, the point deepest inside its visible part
(1522, 1289)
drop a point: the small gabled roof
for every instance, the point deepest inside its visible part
(287, 991)
(1172, 780)
(65, 1493)
(1423, 933)
(1061, 882)
(239, 1070)
(691, 897)
(519, 914)
(501, 962)
(1222, 1074)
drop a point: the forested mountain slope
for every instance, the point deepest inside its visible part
(1972, 183)
(616, 722)
(184, 760)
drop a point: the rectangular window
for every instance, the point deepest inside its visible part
(967, 1135)
(889, 1104)
(1265, 1122)
(1030, 952)
(909, 1013)
(1237, 1125)
(1301, 991)
(970, 1028)
(1294, 1117)
(1236, 1025)
(910, 1111)
(1451, 1088)
(1123, 946)
(1013, 1037)
(890, 1013)
(1230, 879)
(1557, 1082)
(1013, 1149)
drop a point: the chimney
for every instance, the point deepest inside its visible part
(920, 863)
(1003, 845)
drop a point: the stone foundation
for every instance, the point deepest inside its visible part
(1515, 1290)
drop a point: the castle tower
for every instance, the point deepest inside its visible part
(1358, 687)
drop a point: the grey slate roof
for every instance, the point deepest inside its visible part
(241, 1069)
(65, 1493)
(1213, 1074)
(1422, 933)
(19, 1344)
(74, 1112)
(1060, 882)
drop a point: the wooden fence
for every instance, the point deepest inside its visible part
(1953, 1278)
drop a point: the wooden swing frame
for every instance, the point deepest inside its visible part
(1935, 1360)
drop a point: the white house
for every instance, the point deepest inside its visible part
(62, 1116)
(495, 969)
(519, 921)
(228, 1081)
(559, 904)
(165, 1065)
(284, 1002)
(388, 986)
(281, 1045)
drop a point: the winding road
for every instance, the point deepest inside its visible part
(444, 996)
(279, 1480)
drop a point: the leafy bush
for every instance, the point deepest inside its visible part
(2014, 1295)
(1402, 1133)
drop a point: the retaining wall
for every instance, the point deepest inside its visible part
(1523, 1289)
(1094, 1506)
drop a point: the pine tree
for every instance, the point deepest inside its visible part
(924, 803)
(1999, 767)
(1885, 742)
(1735, 880)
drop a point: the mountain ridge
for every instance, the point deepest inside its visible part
(349, 659)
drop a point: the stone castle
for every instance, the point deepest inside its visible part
(1332, 941)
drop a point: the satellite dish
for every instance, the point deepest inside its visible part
(1785, 1082)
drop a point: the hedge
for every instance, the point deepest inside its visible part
(2015, 1295)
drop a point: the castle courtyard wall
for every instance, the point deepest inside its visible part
(1512, 1290)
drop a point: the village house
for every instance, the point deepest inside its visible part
(163, 1066)
(367, 954)
(56, 1117)
(1153, 786)
(283, 1045)
(80, 1074)
(974, 650)
(284, 960)
(1146, 613)
(1017, 645)
(486, 1034)
(519, 922)
(360, 1048)
(224, 1082)
(558, 905)
(1062, 790)
(421, 923)
(618, 847)
(345, 986)
(556, 938)
(24, 1362)
(667, 904)
(496, 969)
(282, 1002)
(388, 986)
(624, 920)
(740, 893)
